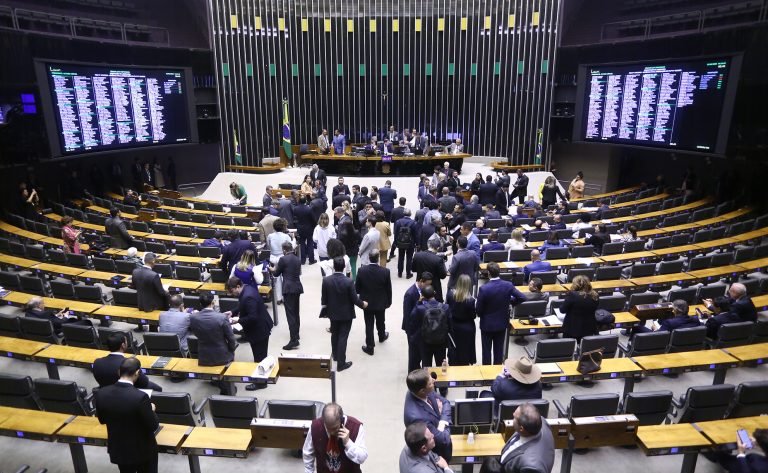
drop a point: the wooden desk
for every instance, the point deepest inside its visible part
(84, 430)
(104, 211)
(16, 261)
(749, 355)
(709, 274)
(670, 439)
(279, 433)
(625, 257)
(59, 270)
(485, 445)
(127, 314)
(217, 442)
(710, 245)
(550, 288)
(722, 433)
(113, 279)
(190, 368)
(614, 285)
(171, 238)
(171, 436)
(662, 280)
(623, 320)
(20, 299)
(19, 348)
(35, 425)
(458, 376)
(684, 362)
(243, 372)
(755, 265)
(611, 368)
(640, 201)
(676, 250)
(197, 260)
(626, 190)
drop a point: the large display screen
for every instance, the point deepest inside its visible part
(674, 104)
(100, 108)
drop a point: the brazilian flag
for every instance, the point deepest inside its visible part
(287, 133)
(238, 154)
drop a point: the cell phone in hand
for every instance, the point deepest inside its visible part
(744, 437)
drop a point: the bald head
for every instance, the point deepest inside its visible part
(535, 255)
(737, 290)
(333, 416)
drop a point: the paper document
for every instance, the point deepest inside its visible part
(148, 391)
(549, 368)
(551, 319)
(586, 261)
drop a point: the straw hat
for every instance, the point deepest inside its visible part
(522, 370)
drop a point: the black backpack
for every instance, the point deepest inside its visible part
(434, 326)
(404, 238)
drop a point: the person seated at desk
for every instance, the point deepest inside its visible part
(132, 198)
(519, 379)
(339, 142)
(604, 206)
(213, 242)
(536, 265)
(456, 147)
(562, 208)
(743, 462)
(557, 223)
(35, 308)
(535, 293)
(323, 144)
(515, 240)
(238, 193)
(386, 148)
(551, 242)
(373, 146)
(538, 225)
(418, 455)
(423, 404)
(580, 224)
(739, 308)
(490, 212)
(599, 238)
(480, 227)
(334, 439)
(105, 368)
(492, 245)
(630, 234)
(679, 319)
(176, 320)
(532, 448)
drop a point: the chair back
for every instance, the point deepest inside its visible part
(634, 246)
(751, 399)
(125, 297)
(189, 273)
(547, 277)
(592, 405)
(78, 261)
(32, 284)
(83, 336)
(557, 253)
(688, 294)
(583, 251)
(125, 267)
(192, 345)
(61, 396)
(233, 412)
(650, 407)
(733, 334)
(760, 334)
(163, 344)
(18, 391)
(612, 303)
(89, 293)
(40, 330)
(520, 255)
(608, 273)
(294, 410)
(699, 262)
(187, 250)
(9, 326)
(209, 251)
(711, 291)
(687, 339)
(649, 343)
(703, 403)
(554, 350)
(174, 408)
(641, 298)
(104, 264)
(588, 272)
(612, 248)
(640, 270)
(496, 255)
(670, 267)
(531, 308)
(609, 344)
(9, 280)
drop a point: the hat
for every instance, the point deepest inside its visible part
(522, 370)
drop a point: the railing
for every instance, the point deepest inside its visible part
(81, 28)
(691, 22)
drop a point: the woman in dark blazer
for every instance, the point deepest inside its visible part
(463, 314)
(579, 308)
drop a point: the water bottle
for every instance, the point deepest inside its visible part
(471, 438)
(445, 365)
(216, 301)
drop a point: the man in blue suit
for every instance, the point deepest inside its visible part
(411, 299)
(473, 242)
(387, 196)
(493, 301)
(339, 142)
(423, 404)
(463, 262)
(536, 265)
(740, 309)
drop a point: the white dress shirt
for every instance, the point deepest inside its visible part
(355, 450)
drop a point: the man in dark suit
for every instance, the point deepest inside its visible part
(447, 201)
(503, 200)
(341, 188)
(743, 462)
(599, 238)
(285, 210)
(305, 225)
(520, 187)
(149, 290)
(387, 196)
(433, 352)
(423, 404)
(216, 343)
(403, 225)
(396, 214)
(493, 301)
(35, 308)
(430, 262)
(338, 299)
(105, 369)
(115, 228)
(503, 179)
(289, 267)
(487, 191)
(463, 262)
(252, 315)
(532, 448)
(680, 319)
(740, 309)
(473, 210)
(536, 265)
(131, 421)
(231, 253)
(374, 285)
(318, 174)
